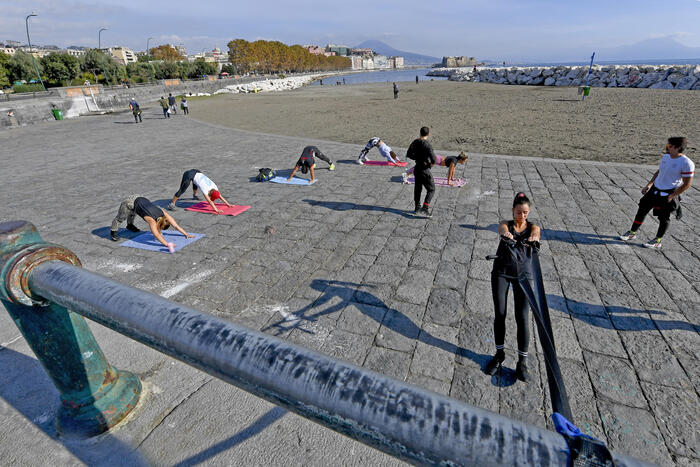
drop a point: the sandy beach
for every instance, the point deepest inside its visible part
(620, 125)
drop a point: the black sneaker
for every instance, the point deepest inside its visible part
(113, 235)
(426, 212)
(196, 197)
(417, 210)
(494, 363)
(521, 371)
(132, 228)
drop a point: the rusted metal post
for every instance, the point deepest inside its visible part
(94, 395)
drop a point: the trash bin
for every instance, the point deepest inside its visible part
(57, 114)
(586, 90)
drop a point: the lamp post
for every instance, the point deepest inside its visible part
(99, 47)
(148, 57)
(36, 68)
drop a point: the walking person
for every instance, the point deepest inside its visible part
(164, 105)
(157, 219)
(171, 103)
(422, 152)
(384, 150)
(136, 110)
(504, 275)
(416, 79)
(396, 91)
(184, 105)
(200, 182)
(662, 194)
(307, 162)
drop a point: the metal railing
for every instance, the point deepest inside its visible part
(41, 282)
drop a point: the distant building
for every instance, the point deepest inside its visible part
(342, 50)
(13, 44)
(122, 55)
(396, 62)
(74, 51)
(367, 63)
(380, 61)
(455, 62)
(6, 49)
(315, 49)
(180, 49)
(355, 62)
(359, 51)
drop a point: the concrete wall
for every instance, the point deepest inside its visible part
(82, 100)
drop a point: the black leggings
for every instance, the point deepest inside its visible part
(499, 289)
(187, 178)
(651, 200)
(323, 157)
(423, 179)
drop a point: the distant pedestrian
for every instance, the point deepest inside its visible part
(422, 152)
(662, 193)
(164, 104)
(416, 79)
(185, 106)
(135, 109)
(396, 91)
(343, 80)
(171, 103)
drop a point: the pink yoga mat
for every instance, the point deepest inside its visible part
(400, 164)
(227, 211)
(441, 181)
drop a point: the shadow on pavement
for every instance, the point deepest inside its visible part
(368, 304)
(565, 236)
(344, 206)
(103, 232)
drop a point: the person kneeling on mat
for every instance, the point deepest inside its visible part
(157, 219)
(505, 273)
(307, 162)
(662, 193)
(450, 162)
(201, 182)
(384, 150)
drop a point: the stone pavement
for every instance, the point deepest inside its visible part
(348, 272)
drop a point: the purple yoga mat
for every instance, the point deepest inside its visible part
(442, 181)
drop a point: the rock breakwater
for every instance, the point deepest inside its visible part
(685, 77)
(272, 85)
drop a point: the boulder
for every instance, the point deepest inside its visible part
(537, 81)
(549, 81)
(534, 73)
(687, 82)
(648, 79)
(523, 79)
(564, 81)
(613, 83)
(512, 78)
(573, 74)
(547, 72)
(673, 78)
(662, 85)
(696, 86)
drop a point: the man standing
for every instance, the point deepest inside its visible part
(422, 152)
(396, 91)
(171, 103)
(134, 106)
(164, 104)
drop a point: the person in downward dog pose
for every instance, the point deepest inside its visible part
(663, 192)
(157, 219)
(307, 162)
(384, 150)
(503, 275)
(200, 182)
(450, 162)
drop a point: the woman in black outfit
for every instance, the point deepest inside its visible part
(505, 274)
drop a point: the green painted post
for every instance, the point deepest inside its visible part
(94, 395)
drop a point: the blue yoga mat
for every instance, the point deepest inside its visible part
(146, 241)
(293, 181)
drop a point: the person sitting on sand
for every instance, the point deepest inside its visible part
(307, 162)
(449, 162)
(157, 219)
(384, 150)
(201, 182)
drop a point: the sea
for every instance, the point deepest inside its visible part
(390, 76)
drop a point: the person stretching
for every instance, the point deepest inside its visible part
(201, 182)
(422, 152)
(662, 193)
(503, 275)
(384, 150)
(450, 162)
(307, 162)
(157, 219)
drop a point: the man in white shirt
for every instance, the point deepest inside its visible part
(201, 182)
(662, 193)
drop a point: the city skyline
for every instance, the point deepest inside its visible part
(504, 30)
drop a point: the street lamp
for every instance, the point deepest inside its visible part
(99, 47)
(148, 58)
(36, 68)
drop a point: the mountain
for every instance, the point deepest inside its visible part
(409, 58)
(649, 49)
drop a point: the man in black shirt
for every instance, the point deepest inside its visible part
(422, 152)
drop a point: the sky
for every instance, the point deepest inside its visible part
(523, 30)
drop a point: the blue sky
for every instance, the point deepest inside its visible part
(497, 29)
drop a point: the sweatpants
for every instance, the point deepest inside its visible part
(654, 199)
(323, 157)
(424, 178)
(499, 289)
(125, 213)
(187, 178)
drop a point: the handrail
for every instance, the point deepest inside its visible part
(400, 419)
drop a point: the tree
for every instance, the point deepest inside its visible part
(165, 52)
(4, 71)
(22, 67)
(60, 68)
